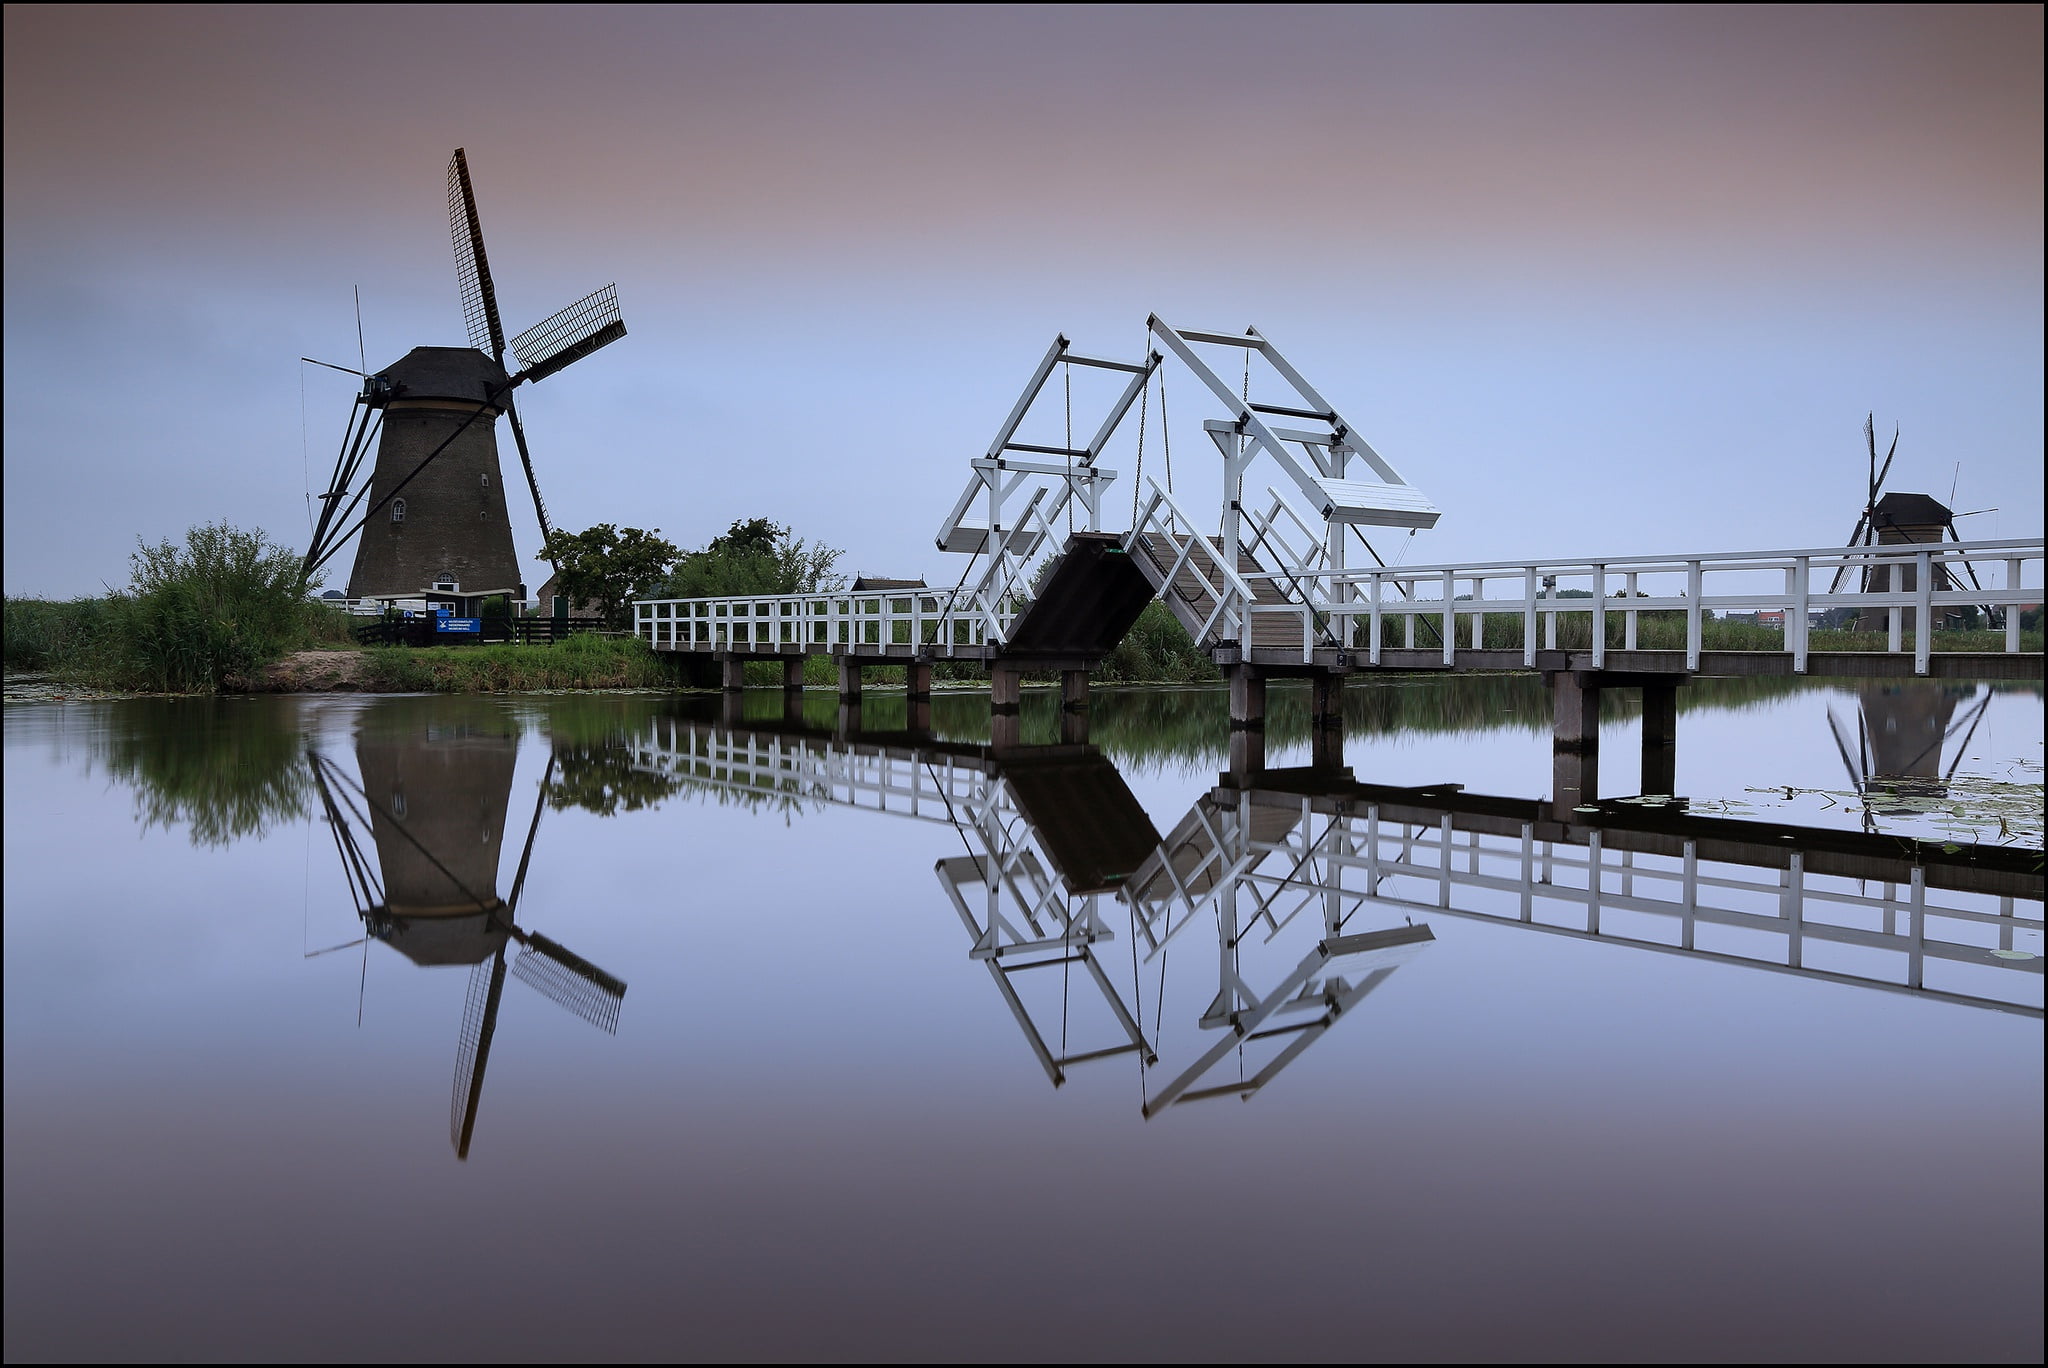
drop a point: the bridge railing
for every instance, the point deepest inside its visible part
(1658, 602)
(939, 620)
(1778, 916)
(1194, 567)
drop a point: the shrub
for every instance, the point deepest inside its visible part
(199, 615)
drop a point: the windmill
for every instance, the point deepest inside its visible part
(427, 886)
(437, 523)
(1897, 520)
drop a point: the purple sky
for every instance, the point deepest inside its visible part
(1597, 281)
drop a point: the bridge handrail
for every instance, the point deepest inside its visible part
(1230, 597)
(941, 620)
(1344, 597)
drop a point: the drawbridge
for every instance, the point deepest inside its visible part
(1282, 577)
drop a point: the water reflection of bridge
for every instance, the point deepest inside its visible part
(1312, 883)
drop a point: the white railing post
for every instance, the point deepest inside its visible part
(1529, 588)
(1599, 616)
(1895, 614)
(1450, 592)
(2012, 610)
(1923, 626)
(1478, 613)
(1550, 611)
(1628, 621)
(1695, 612)
(1796, 627)
(1373, 634)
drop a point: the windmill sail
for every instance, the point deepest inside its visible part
(568, 980)
(472, 267)
(569, 336)
(473, 1048)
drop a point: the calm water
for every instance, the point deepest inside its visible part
(711, 1003)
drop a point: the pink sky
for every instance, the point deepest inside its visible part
(1757, 222)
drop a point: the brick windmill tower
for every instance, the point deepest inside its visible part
(435, 518)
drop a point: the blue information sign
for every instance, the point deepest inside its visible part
(456, 624)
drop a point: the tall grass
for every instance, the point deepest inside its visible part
(585, 661)
(197, 617)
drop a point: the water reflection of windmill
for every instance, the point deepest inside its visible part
(434, 799)
(1901, 731)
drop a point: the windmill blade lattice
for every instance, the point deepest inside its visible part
(472, 267)
(567, 337)
(473, 1048)
(568, 980)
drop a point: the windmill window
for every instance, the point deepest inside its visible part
(487, 480)
(398, 510)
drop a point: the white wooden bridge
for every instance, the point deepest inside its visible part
(1281, 580)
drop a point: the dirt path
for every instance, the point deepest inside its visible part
(312, 672)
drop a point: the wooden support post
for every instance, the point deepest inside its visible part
(733, 672)
(849, 677)
(1575, 702)
(793, 674)
(1247, 751)
(1326, 699)
(918, 713)
(1574, 782)
(1006, 729)
(1247, 697)
(917, 680)
(1326, 744)
(1005, 688)
(1073, 690)
(1074, 726)
(732, 708)
(1660, 738)
(848, 722)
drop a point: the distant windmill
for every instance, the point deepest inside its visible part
(428, 890)
(437, 513)
(1896, 520)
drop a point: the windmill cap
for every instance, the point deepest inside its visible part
(1912, 510)
(435, 938)
(463, 374)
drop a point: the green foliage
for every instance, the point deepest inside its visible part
(47, 637)
(1157, 650)
(608, 565)
(221, 769)
(584, 661)
(200, 615)
(755, 556)
(496, 608)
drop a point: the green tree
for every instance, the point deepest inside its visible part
(609, 565)
(756, 556)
